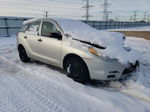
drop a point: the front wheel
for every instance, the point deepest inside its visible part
(77, 70)
(23, 55)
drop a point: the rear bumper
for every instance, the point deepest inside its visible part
(108, 69)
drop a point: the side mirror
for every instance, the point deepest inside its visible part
(56, 35)
(67, 35)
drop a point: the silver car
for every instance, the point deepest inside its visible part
(45, 40)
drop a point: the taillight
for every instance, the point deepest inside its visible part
(17, 34)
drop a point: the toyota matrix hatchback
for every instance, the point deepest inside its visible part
(75, 47)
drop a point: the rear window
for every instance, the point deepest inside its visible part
(33, 28)
(24, 27)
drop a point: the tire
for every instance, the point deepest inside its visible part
(23, 55)
(77, 70)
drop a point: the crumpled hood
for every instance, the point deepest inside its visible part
(113, 41)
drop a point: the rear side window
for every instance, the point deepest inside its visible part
(24, 27)
(33, 28)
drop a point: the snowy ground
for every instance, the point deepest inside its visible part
(38, 87)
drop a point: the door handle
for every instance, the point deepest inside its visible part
(40, 40)
(25, 37)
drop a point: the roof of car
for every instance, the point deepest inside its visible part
(33, 20)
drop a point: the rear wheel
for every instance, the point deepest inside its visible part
(23, 55)
(77, 70)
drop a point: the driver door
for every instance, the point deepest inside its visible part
(49, 47)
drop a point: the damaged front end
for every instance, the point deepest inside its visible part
(89, 43)
(130, 69)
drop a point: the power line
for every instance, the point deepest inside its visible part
(38, 4)
(87, 7)
(37, 7)
(71, 2)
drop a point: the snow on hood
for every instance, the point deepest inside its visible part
(113, 41)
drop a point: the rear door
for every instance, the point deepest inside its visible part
(30, 38)
(49, 47)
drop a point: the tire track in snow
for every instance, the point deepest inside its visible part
(76, 103)
(43, 98)
(47, 104)
(136, 95)
(40, 99)
(17, 95)
(128, 92)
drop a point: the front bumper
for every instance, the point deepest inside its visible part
(108, 69)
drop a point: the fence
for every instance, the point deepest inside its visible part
(11, 25)
(100, 25)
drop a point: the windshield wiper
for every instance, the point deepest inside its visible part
(89, 43)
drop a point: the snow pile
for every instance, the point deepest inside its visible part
(139, 84)
(113, 41)
(143, 46)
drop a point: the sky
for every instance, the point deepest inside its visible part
(120, 9)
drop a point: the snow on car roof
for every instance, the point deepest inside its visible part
(30, 21)
(113, 41)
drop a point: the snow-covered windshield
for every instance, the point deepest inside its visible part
(113, 41)
(80, 30)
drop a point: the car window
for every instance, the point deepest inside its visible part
(48, 28)
(33, 28)
(24, 27)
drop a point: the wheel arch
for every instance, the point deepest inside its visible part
(73, 55)
(20, 46)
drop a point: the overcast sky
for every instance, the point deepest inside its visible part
(121, 9)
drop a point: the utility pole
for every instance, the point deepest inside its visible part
(131, 18)
(87, 7)
(134, 16)
(145, 14)
(117, 18)
(46, 14)
(148, 18)
(106, 12)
